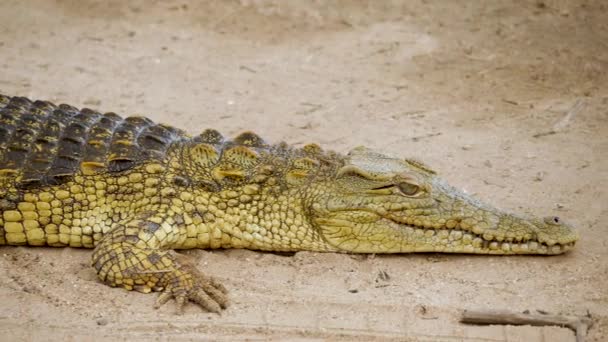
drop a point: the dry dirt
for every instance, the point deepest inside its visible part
(508, 100)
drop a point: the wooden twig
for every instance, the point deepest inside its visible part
(565, 121)
(577, 324)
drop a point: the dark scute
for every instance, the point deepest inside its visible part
(52, 128)
(102, 130)
(71, 147)
(4, 135)
(31, 121)
(106, 122)
(70, 110)
(163, 131)
(8, 120)
(249, 139)
(64, 165)
(156, 138)
(77, 139)
(4, 99)
(76, 127)
(59, 178)
(210, 136)
(75, 132)
(62, 115)
(171, 129)
(6, 204)
(112, 116)
(44, 106)
(153, 155)
(38, 165)
(118, 165)
(23, 133)
(139, 121)
(207, 185)
(89, 112)
(45, 140)
(125, 131)
(87, 119)
(30, 183)
(14, 159)
(154, 142)
(181, 181)
(19, 101)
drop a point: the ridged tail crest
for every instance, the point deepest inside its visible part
(211, 159)
(49, 144)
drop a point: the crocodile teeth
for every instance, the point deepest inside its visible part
(533, 245)
(477, 242)
(456, 235)
(485, 244)
(490, 242)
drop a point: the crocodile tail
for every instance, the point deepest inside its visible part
(47, 144)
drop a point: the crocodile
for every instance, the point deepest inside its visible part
(136, 191)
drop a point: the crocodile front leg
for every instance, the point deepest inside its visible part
(137, 256)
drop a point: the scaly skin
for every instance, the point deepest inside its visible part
(135, 191)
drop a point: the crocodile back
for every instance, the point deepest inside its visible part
(44, 144)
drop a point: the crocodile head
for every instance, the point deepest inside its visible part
(379, 204)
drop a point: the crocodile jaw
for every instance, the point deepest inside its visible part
(420, 239)
(366, 231)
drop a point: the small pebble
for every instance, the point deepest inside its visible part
(540, 175)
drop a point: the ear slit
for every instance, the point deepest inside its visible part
(384, 187)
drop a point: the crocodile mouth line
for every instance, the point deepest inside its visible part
(459, 240)
(468, 241)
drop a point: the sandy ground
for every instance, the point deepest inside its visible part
(507, 100)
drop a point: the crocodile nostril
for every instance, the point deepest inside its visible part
(553, 220)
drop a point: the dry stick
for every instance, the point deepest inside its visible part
(578, 324)
(561, 124)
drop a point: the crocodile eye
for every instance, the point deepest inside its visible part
(408, 189)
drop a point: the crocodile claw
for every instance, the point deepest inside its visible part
(188, 284)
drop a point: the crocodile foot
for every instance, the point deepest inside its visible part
(186, 283)
(122, 261)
